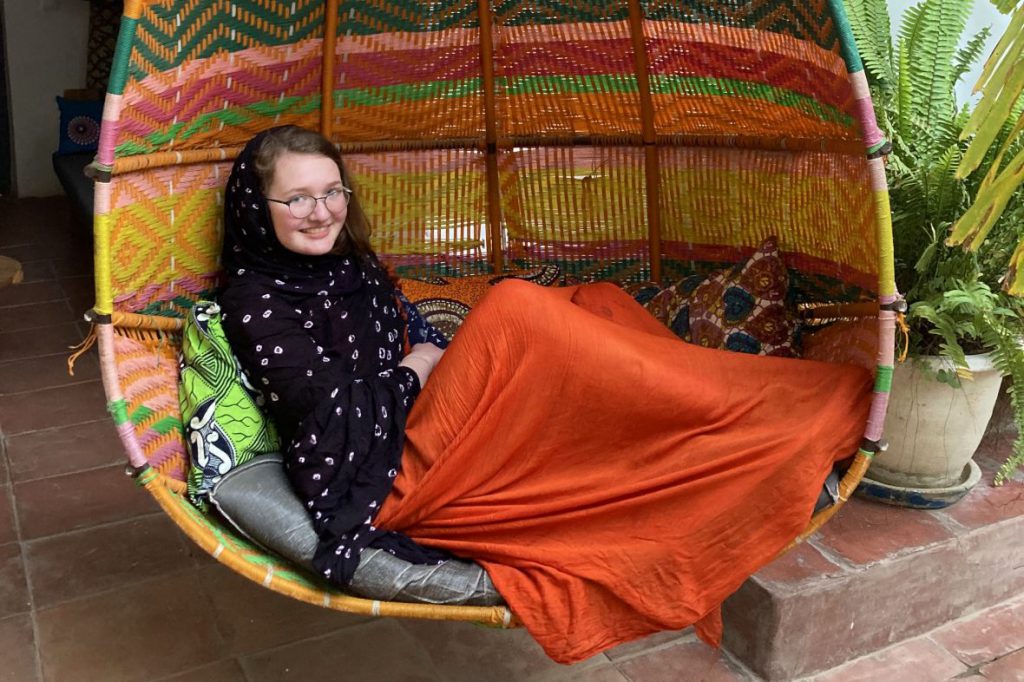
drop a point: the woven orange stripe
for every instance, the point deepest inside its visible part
(457, 117)
(710, 115)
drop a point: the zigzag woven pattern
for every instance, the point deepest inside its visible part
(147, 369)
(167, 231)
(569, 78)
(172, 33)
(804, 20)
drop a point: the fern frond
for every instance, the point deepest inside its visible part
(869, 21)
(969, 54)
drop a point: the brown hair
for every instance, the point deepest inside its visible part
(355, 237)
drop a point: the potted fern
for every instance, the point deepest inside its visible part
(963, 330)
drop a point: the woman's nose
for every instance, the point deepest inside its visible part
(320, 210)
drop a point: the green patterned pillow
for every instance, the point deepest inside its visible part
(222, 413)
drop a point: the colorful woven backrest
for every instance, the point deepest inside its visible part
(619, 139)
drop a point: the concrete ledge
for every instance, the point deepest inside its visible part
(876, 575)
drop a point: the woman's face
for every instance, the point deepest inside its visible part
(307, 175)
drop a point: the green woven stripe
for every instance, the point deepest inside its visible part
(167, 425)
(552, 84)
(675, 85)
(412, 92)
(847, 44)
(118, 409)
(238, 116)
(140, 414)
(223, 22)
(797, 19)
(122, 56)
(883, 379)
(540, 12)
(362, 18)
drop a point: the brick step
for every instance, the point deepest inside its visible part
(876, 575)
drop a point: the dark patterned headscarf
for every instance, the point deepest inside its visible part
(322, 337)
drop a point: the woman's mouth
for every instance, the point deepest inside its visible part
(315, 231)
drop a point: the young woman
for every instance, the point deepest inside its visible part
(613, 480)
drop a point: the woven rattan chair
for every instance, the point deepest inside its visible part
(625, 140)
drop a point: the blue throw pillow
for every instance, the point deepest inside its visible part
(79, 125)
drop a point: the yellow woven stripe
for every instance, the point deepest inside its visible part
(737, 197)
(887, 271)
(398, 189)
(575, 194)
(101, 257)
(165, 235)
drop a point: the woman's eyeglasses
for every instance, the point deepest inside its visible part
(303, 205)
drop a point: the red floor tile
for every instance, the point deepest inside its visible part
(37, 270)
(14, 597)
(641, 645)
(378, 650)
(987, 504)
(866, 532)
(19, 653)
(252, 618)
(222, 671)
(51, 407)
(464, 652)
(16, 318)
(145, 631)
(992, 633)
(8, 531)
(50, 371)
(59, 504)
(803, 562)
(916, 659)
(31, 293)
(64, 450)
(43, 341)
(688, 661)
(105, 558)
(1007, 669)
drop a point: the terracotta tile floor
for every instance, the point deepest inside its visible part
(97, 585)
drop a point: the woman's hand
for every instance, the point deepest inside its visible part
(422, 359)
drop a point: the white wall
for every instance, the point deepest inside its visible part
(46, 55)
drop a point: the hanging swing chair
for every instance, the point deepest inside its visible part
(623, 140)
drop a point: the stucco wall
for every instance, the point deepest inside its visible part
(46, 55)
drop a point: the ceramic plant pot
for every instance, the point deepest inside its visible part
(933, 430)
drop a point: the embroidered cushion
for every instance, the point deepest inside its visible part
(670, 305)
(79, 125)
(745, 309)
(444, 303)
(222, 413)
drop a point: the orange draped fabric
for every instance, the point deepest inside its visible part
(612, 479)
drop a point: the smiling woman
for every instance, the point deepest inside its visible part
(301, 222)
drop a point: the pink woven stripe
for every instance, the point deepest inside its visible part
(865, 110)
(397, 67)
(876, 418)
(135, 455)
(169, 181)
(752, 39)
(225, 81)
(135, 301)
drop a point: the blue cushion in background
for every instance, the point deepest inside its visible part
(79, 125)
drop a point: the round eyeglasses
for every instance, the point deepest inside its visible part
(303, 205)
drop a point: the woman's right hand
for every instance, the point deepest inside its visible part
(422, 359)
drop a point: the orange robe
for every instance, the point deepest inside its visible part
(613, 480)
